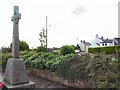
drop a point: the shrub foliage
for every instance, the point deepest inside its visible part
(101, 70)
(67, 49)
(23, 46)
(41, 49)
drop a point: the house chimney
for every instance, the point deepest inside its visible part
(81, 40)
(96, 35)
(102, 37)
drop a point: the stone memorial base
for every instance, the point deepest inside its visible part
(26, 85)
(16, 74)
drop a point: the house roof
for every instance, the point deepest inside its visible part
(101, 39)
(106, 40)
(87, 43)
(116, 41)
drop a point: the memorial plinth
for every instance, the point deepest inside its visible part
(15, 72)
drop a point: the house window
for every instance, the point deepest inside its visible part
(105, 44)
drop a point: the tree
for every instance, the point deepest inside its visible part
(6, 49)
(76, 47)
(23, 45)
(41, 49)
(42, 38)
(67, 49)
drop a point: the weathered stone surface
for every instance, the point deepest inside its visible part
(26, 85)
(15, 72)
(15, 40)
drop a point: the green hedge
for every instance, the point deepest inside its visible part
(106, 50)
(94, 50)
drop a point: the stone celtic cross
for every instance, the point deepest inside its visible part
(15, 73)
(15, 40)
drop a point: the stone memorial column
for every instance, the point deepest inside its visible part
(15, 40)
(15, 73)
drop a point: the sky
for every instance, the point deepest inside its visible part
(69, 21)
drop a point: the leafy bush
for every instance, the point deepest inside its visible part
(23, 45)
(6, 50)
(5, 57)
(41, 49)
(99, 70)
(103, 72)
(67, 50)
(73, 69)
(76, 47)
(23, 52)
(25, 56)
(43, 60)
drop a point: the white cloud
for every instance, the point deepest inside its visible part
(79, 10)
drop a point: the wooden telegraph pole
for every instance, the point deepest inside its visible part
(46, 34)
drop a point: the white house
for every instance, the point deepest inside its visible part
(84, 46)
(101, 42)
(116, 41)
(98, 42)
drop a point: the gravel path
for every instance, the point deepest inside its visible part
(42, 83)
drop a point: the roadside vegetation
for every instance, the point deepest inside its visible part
(99, 69)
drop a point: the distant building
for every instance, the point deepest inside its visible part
(84, 46)
(116, 41)
(101, 42)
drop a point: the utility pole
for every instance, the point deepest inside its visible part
(46, 34)
(77, 40)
